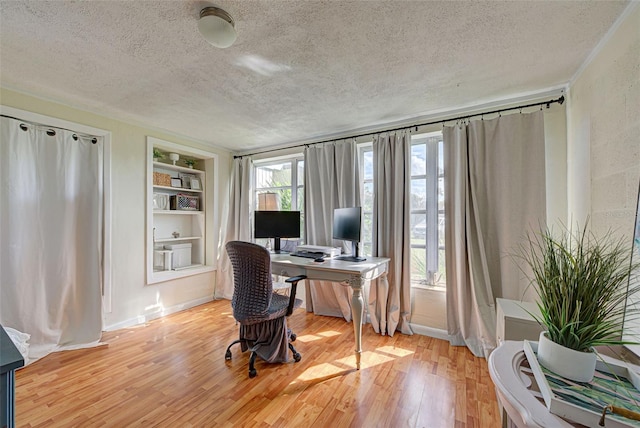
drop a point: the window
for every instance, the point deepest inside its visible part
(366, 167)
(427, 207)
(285, 179)
(427, 210)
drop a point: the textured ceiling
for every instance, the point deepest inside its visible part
(299, 70)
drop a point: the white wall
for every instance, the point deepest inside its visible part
(132, 299)
(604, 132)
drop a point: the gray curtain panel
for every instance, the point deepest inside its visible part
(331, 181)
(390, 309)
(494, 195)
(238, 227)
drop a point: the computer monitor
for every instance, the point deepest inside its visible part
(276, 225)
(346, 226)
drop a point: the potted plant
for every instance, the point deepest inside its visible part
(189, 162)
(157, 154)
(582, 285)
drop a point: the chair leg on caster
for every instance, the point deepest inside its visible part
(227, 355)
(252, 370)
(296, 355)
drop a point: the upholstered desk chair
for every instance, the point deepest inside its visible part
(260, 312)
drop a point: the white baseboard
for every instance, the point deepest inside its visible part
(430, 331)
(160, 312)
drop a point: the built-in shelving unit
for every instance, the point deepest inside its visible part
(179, 213)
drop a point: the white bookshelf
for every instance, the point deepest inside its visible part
(172, 219)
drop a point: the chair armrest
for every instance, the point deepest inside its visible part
(292, 294)
(295, 278)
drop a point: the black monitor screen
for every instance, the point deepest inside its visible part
(277, 224)
(346, 224)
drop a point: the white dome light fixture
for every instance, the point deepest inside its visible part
(217, 27)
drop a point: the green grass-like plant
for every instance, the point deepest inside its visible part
(582, 285)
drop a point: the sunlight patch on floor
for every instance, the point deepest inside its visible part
(320, 371)
(398, 352)
(369, 359)
(344, 366)
(317, 336)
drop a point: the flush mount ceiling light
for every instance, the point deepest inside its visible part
(217, 27)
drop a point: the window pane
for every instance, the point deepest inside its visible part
(441, 194)
(440, 277)
(300, 173)
(276, 175)
(418, 228)
(300, 198)
(440, 158)
(418, 159)
(367, 227)
(418, 266)
(418, 194)
(366, 250)
(368, 165)
(285, 199)
(367, 197)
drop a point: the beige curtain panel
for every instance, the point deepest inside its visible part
(390, 309)
(494, 195)
(331, 181)
(238, 228)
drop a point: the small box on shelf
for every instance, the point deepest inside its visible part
(181, 255)
(184, 202)
(161, 179)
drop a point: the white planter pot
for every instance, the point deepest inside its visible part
(574, 365)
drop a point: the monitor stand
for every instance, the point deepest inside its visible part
(276, 247)
(355, 257)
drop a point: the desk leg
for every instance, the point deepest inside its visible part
(357, 307)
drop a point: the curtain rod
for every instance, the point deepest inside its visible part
(541, 103)
(93, 137)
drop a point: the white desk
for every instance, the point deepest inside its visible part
(522, 407)
(347, 273)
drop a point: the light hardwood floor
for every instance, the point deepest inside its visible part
(171, 372)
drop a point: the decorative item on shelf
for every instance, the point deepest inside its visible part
(176, 234)
(174, 157)
(161, 179)
(582, 284)
(183, 202)
(195, 184)
(176, 182)
(157, 154)
(189, 162)
(186, 180)
(160, 201)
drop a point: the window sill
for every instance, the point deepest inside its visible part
(438, 288)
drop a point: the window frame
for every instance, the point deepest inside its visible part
(297, 184)
(433, 173)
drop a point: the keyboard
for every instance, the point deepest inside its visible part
(308, 254)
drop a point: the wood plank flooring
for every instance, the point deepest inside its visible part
(171, 372)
